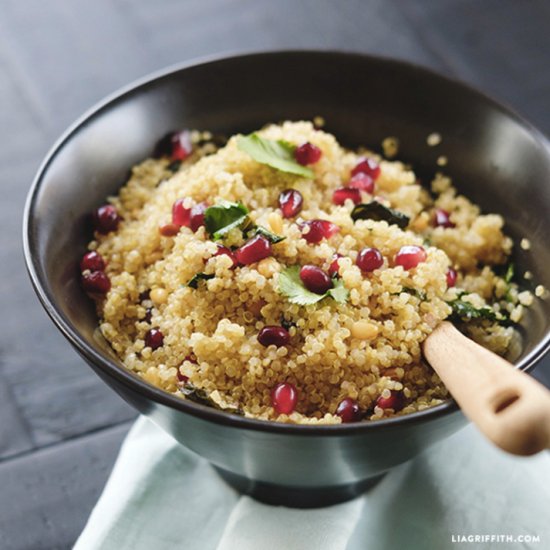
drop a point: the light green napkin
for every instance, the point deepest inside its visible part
(162, 497)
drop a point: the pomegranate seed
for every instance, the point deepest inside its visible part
(223, 250)
(342, 194)
(254, 250)
(315, 279)
(451, 277)
(395, 401)
(410, 256)
(367, 166)
(369, 259)
(181, 216)
(334, 265)
(96, 282)
(348, 410)
(290, 202)
(442, 218)
(181, 145)
(318, 230)
(106, 218)
(362, 181)
(169, 230)
(92, 261)
(197, 215)
(154, 338)
(284, 397)
(274, 336)
(307, 153)
(181, 377)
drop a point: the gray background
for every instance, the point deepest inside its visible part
(60, 425)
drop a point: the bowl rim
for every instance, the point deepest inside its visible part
(136, 384)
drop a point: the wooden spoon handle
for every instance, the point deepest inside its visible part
(511, 408)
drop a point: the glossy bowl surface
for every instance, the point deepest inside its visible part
(495, 157)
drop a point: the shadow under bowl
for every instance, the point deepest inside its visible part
(496, 158)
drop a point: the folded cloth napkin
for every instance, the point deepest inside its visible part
(461, 492)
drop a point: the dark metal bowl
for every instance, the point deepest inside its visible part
(495, 157)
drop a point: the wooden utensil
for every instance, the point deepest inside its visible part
(510, 407)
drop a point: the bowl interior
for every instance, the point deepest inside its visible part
(494, 157)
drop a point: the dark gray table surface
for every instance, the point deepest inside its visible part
(61, 427)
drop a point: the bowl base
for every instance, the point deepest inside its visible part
(297, 497)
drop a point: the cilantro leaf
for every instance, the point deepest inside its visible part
(198, 395)
(509, 275)
(339, 292)
(277, 154)
(376, 211)
(465, 311)
(291, 286)
(194, 281)
(271, 237)
(224, 216)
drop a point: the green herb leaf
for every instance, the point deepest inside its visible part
(194, 281)
(376, 211)
(271, 237)
(277, 154)
(415, 292)
(291, 286)
(339, 292)
(509, 275)
(224, 216)
(198, 395)
(465, 311)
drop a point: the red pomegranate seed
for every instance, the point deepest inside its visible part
(395, 401)
(307, 153)
(181, 145)
(223, 250)
(348, 410)
(181, 377)
(96, 282)
(274, 336)
(451, 277)
(197, 215)
(169, 230)
(92, 261)
(106, 218)
(254, 250)
(334, 265)
(290, 203)
(315, 279)
(410, 256)
(318, 230)
(369, 259)
(367, 166)
(362, 181)
(284, 397)
(181, 216)
(154, 338)
(442, 218)
(342, 194)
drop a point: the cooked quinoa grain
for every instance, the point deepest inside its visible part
(218, 312)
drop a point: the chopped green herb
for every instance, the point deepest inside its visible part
(376, 211)
(465, 311)
(174, 166)
(291, 286)
(198, 395)
(509, 275)
(224, 216)
(421, 295)
(194, 281)
(277, 154)
(271, 237)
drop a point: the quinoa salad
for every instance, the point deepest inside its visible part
(281, 276)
